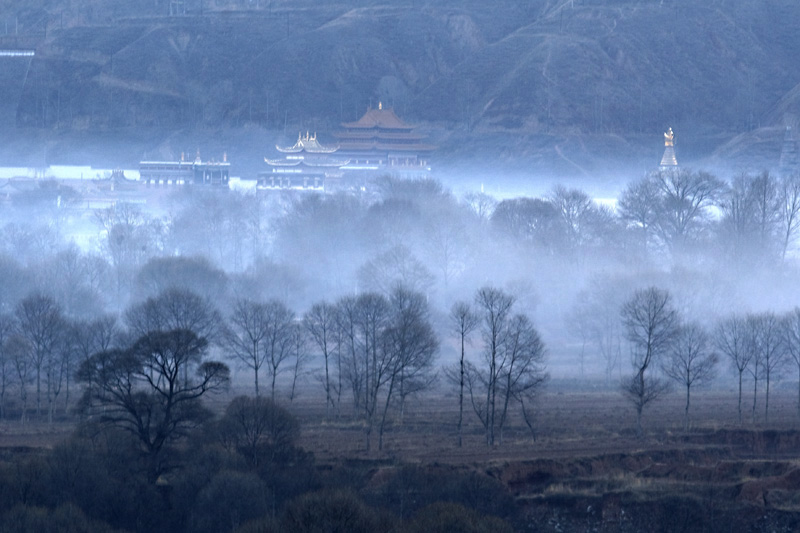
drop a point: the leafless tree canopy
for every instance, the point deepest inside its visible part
(650, 325)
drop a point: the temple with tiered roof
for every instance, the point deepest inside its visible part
(382, 143)
(306, 165)
(668, 160)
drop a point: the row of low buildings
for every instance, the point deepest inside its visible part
(378, 143)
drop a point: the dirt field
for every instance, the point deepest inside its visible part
(587, 470)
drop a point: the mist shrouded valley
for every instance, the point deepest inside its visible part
(399, 266)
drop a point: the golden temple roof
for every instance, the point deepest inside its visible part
(309, 144)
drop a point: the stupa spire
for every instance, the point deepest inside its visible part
(669, 160)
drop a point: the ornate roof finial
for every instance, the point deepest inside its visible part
(669, 138)
(380, 105)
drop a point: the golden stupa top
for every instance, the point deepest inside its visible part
(669, 138)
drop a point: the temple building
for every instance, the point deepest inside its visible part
(668, 160)
(197, 172)
(789, 162)
(381, 143)
(306, 165)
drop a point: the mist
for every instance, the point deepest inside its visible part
(399, 266)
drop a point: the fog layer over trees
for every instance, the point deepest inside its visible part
(357, 294)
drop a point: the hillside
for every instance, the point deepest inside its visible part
(561, 86)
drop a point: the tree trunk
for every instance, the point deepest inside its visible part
(385, 411)
(740, 398)
(686, 414)
(766, 402)
(639, 431)
(461, 395)
(798, 393)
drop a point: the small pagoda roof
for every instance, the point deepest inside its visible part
(379, 118)
(308, 144)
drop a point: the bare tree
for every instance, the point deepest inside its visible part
(494, 306)
(299, 347)
(595, 315)
(18, 350)
(481, 204)
(512, 366)
(172, 309)
(463, 322)
(350, 352)
(372, 317)
(791, 342)
(245, 335)
(732, 338)
(409, 345)
(753, 328)
(278, 341)
(575, 208)
(396, 266)
(84, 339)
(770, 348)
(789, 211)
(638, 207)
(7, 327)
(142, 389)
(650, 323)
(41, 324)
(682, 209)
(524, 369)
(691, 361)
(320, 322)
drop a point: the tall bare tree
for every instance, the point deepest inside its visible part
(245, 335)
(175, 308)
(409, 346)
(141, 389)
(732, 338)
(683, 206)
(300, 354)
(41, 324)
(770, 347)
(7, 327)
(756, 369)
(278, 341)
(511, 365)
(789, 211)
(320, 322)
(691, 361)
(463, 321)
(638, 207)
(494, 307)
(791, 342)
(524, 370)
(650, 324)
